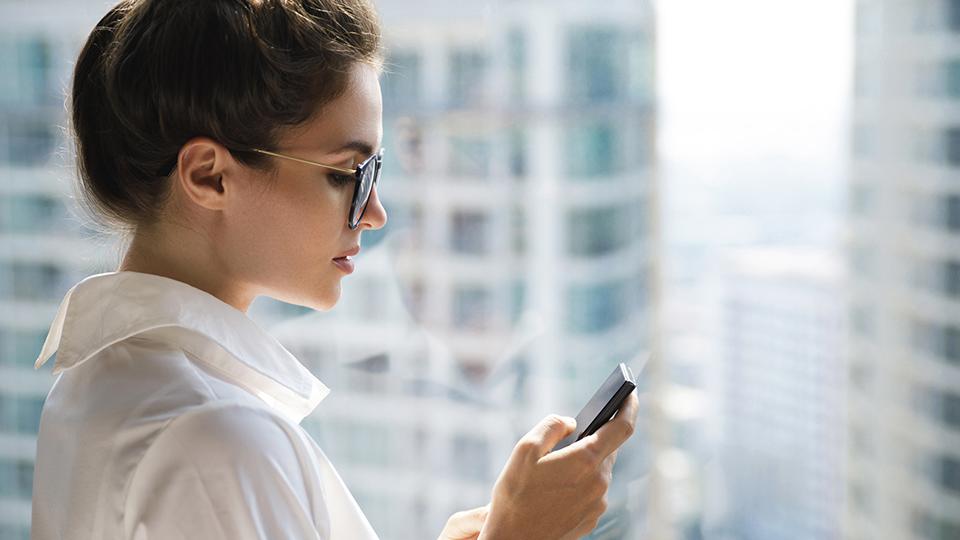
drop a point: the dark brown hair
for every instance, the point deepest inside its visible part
(154, 73)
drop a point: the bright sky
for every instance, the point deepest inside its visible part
(747, 78)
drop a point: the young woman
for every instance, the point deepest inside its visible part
(237, 145)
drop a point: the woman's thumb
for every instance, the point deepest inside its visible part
(551, 430)
(465, 524)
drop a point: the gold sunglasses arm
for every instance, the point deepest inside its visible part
(307, 161)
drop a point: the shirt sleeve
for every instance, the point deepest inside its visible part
(228, 472)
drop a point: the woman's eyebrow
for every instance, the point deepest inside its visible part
(357, 146)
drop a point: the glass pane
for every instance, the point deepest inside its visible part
(469, 232)
(594, 73)
(467, 77)
(592, 150)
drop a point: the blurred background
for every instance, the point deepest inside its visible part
(760, 196)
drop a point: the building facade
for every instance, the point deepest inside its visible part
(903, 477)
(782, 394)
(45, 244)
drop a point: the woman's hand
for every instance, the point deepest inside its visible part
(465, 525)
(557, 495)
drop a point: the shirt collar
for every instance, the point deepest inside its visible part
(104, 309)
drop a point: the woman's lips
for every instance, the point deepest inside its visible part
(345, 264)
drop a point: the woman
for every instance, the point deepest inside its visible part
(236, 143)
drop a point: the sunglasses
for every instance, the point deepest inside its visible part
(366, 175)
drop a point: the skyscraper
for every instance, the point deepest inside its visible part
(45, 246)
(903, 477)
(782, 393)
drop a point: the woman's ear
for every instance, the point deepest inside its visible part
(204, 169)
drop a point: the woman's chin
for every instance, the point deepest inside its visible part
(328, 297)
(322, 297)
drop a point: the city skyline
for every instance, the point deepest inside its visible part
(516, 267)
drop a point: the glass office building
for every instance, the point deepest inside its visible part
(903, 477)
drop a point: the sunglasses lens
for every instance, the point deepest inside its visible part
(363, 192)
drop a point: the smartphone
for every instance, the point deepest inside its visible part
(602, 406)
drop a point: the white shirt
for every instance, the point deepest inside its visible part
(175, 416)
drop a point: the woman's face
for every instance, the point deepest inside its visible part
(286, 231)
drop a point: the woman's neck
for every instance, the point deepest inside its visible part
(180, 253)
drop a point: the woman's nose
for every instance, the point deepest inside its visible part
(375, 215)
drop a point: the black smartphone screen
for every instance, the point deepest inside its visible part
(602, 406)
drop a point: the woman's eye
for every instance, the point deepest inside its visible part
(340, 179)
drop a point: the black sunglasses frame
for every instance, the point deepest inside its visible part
(375, 161)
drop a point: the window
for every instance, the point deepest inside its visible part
(20, 347)
(31, 281)
(28, 414)
(637, 289)
(639, 64)
(594, 68)
(413, 298)
(16, 478)
(951, 79)
(10, 531)
(862, 320)
(951, 141)
(20, 414)
(473, 368)
(592, 150)
(400, 84)
(469, 157)
(861, 375)
(942, 405)
(521, 388)
(864, 141)
(518, 230)
(375, 506)
(518, 300)
(862, 259)
(362, 374)
(950, 343)
(950, 409)
(469, 232)
(467, 77)
(470, 457)
(472, 307)
(923, 336)
(30, 139)
(946, 473)
(930, 527)
(951, 278)
(868, 17)
(953, 15)
(25, 64)
(407, 218)
(27, 94)
(860, 496)
(951, 212)
(29, 212)
(517, 153)
(595, 308)
(864, 80)
(861, 199)
(363, 442)
(597, 231)
(403, 137)
(517, 62)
